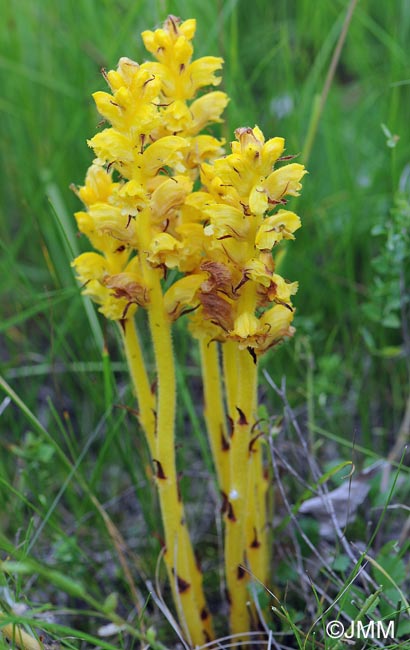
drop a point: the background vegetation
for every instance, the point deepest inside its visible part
(68, 444)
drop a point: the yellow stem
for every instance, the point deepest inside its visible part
(183, 571)
(229, 350)
(236, 515)
(256, 524)
(214, 411)
(140, 381)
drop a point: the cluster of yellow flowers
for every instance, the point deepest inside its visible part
(144, 215)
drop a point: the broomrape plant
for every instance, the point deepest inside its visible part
(144, 217)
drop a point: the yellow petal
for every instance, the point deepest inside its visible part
(188, 28)
(166, 152)
(110, 145)
(169, 197)
(246, 325)
(285, 180)
(202, 73)
(271, 151)
(226, 220)
(258, 200)
(182, 293)
(278, 320)
(90, 266)
(98, 185)
(279, 226)
(164, 249)
(208, 108)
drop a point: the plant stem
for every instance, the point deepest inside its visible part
(184, 574)
(214, 411)
(236, 515)
(140, 381)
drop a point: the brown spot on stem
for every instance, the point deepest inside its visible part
(255, 542)
(183, 585)
(206, 636)
(160, 471)
(204, 614)
(123, 323)
(231, 514)
(224, 442)
(240, 572)
(242, 417)
(253, 354)
(228, 596)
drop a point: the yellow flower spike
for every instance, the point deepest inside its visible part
(131, 109)
(172, 48)
(128, 73)
(152, 144)
(279, 226)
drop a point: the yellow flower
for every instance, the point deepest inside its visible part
(172, 47)
(262, 333)
(279, 226)
(98, 186)
(168, 198)
(164, 249)
(117, 291)
(182, 294)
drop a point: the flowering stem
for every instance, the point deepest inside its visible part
(256, 524)
(214, 411)
(139, 376)
(184, 574)
(229, 350)
(236, 515)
